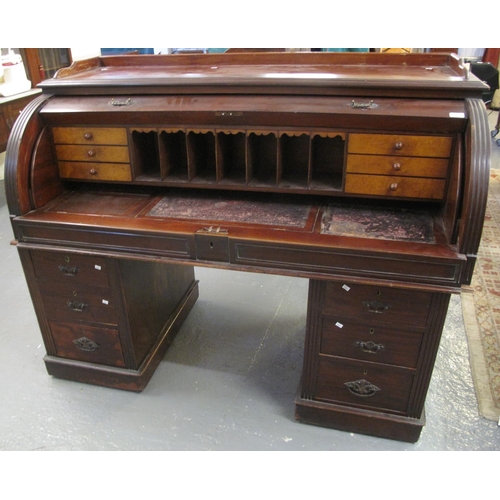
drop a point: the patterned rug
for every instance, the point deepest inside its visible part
(481, 309)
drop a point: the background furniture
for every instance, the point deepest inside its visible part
(10, 107)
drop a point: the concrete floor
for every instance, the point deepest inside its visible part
(227, 383)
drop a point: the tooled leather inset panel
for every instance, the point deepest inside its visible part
(384, 223)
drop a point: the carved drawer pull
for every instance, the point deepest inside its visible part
(370, 347)
(362, 388)
(88, 136)
(376, 306)
(77, 306)
(86, 344)
(68, 271)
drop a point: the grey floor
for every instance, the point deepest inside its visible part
(227, 383)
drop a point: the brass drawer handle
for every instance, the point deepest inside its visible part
(91, 153)
(93, 171)
(393, 186)
(68, 271)
(363, 105)
(362, 388)
(126, 102)
(398, 145)
(88, 136)
(397, 166)
(77, 306)
(376, 306)
(370, 346)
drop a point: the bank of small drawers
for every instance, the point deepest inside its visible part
(370, 342)
(79, 306)
(92, 153)
(397, 165)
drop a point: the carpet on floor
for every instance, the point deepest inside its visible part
(481, 309)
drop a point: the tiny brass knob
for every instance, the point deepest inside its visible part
(88, 136)
(91, 152)
(397, 166)
(398, 145)
(93, 171)
(394, 186)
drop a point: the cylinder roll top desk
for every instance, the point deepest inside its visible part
(367, 174)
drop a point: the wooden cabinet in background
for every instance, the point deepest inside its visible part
(10, 108)
(44, 63)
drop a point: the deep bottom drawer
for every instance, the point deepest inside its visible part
(363, 384)
(87, 343)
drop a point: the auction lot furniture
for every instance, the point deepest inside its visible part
(365, 173)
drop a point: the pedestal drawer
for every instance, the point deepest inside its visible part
(78, 303)
(381, 304)
(70, 268)
(87, 343)
(363, 384)
(348, 338)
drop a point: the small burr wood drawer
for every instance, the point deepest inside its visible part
(363, 384)
(349, 338)
(89, 135)
(95, 171)
(70, 268)
(397, 186)
(78, 303)
(400, 166)
(399, 144)
(91, 153)
(380, 304)
(93, 344)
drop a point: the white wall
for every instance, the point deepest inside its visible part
(84, 53)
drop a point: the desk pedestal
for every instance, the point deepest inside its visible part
(368, 359)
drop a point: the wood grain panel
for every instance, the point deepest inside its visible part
(404, 145)
(117, 154)
(90, 135)
(95, 171)
(393, 165)
(397, 186)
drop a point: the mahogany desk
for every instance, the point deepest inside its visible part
(365, 173)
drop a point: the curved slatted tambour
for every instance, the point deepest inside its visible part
(18, 157)
(477, 171)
